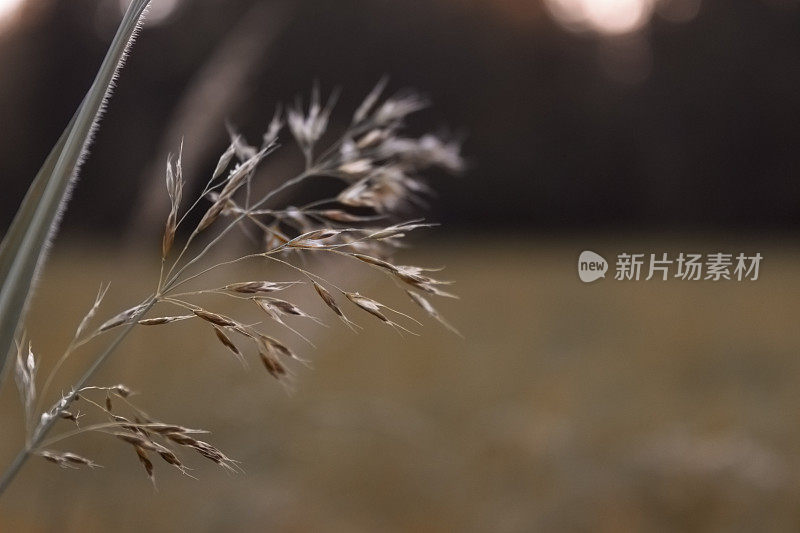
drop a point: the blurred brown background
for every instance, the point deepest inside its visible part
(610, 125)
(576, 113)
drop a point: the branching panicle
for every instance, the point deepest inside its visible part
(378, 170)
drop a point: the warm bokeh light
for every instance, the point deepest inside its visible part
(7, 7)
(611, 17)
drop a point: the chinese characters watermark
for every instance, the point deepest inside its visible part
(718, 266)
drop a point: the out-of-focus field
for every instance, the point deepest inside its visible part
(649, 406)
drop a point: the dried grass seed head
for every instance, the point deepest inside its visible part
(260, 287)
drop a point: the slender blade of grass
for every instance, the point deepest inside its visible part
(24, 247)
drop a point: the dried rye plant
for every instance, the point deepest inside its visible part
(378, 167)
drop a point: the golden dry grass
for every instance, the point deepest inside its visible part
(608, 407)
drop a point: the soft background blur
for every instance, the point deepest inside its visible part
(611, 125)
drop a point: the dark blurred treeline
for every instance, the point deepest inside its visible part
(682, 125)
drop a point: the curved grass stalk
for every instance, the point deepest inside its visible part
(24, 248)
(305, 229)
(48, 422)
